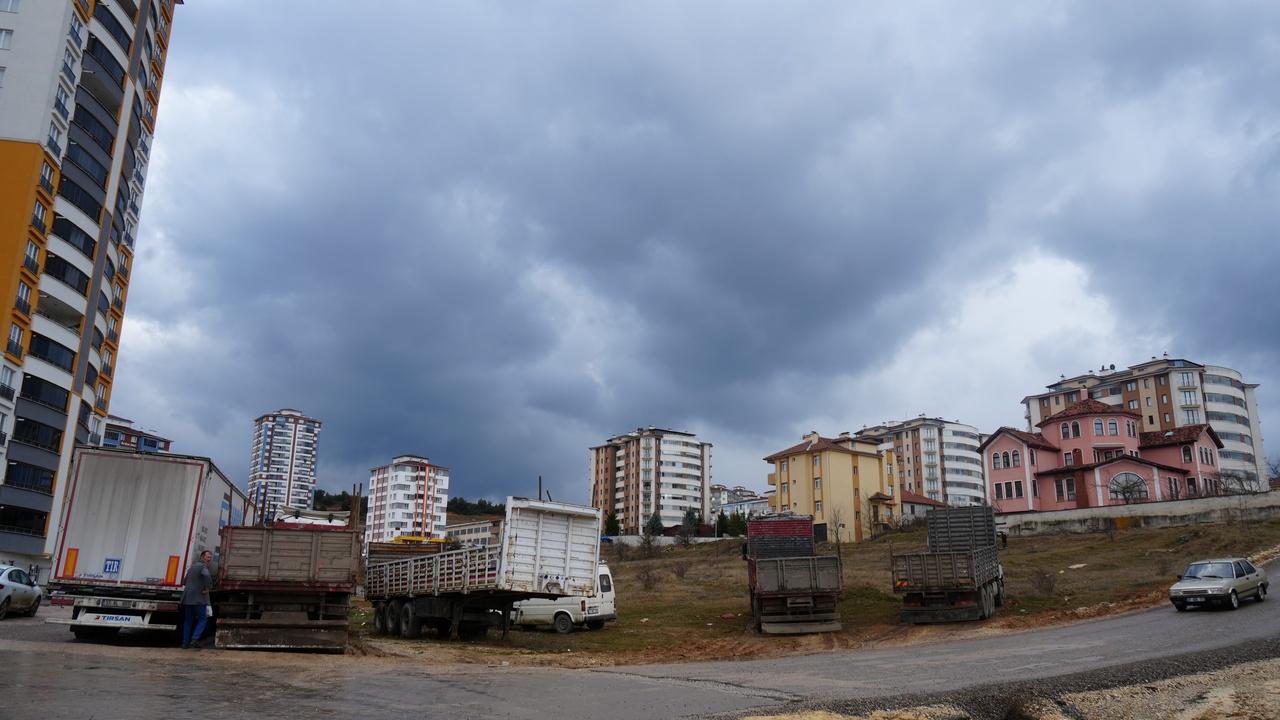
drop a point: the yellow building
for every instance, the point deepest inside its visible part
(842, 482)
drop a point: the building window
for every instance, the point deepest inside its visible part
(1187, 379)
(784, 487)
(1031, 456)
(817, 507)
(1166, 417)
(1067, 459)
(1133, 404)
(817, 461)
(1127, 486)
(6, 39)
(1131, 386)
(1075, 429)
(1066, 488)
(1017, 488)
(1112, 427)
(1191, 417)
(1017, 459)
(817, 483)
(999, 491)
(1, 76)
(995, 461)
(1005, 459)
(1097, 427)
(1173, 488)
(1146, 382)
(1066, 431)
(782, 465)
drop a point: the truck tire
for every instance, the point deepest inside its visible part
(1000, 593)
(379, 619)
(563, 623)
(985, 602)
(410, 623)
(393, 617)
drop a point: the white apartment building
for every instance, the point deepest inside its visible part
(933, 458)
(407, 497)
(652, 470)
(1171, 393)
(283, 470)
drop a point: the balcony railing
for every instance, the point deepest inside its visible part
(75, 35)
(4, 438)
(36, 443)
(38, 223)
(100, 403)
(22, 306)
(21, 530)
(95, 439)
(47, 184)
(61, 107)
(107, 370)
(66, 70)
(30, 263)
(118, 302)
(113, 336)
(15, 348)
(7, 392)
(54, 147)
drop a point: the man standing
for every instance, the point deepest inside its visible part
(195, 600)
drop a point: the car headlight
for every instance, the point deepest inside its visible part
(1217, 591)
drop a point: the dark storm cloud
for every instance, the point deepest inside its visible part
(497, 234)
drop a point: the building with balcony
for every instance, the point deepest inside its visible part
(1170, 393)
(840, 481)
(651, 470)
(408, 497)
(79, 85)
(472, 530)
(933, 458)
(121, 433)
(286, 445)
(1093, 454)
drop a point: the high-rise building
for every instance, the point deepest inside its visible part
(407, 497)
(652, 470)
(935, 458)
(283, 471)
(1169, 393)
(79, 86)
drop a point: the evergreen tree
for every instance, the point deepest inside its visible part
(654, 527)
(612, 526)
(722, 524)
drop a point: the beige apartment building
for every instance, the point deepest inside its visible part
(841, 482)
(652, 470)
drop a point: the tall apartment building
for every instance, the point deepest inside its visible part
(79, 85)
(1169, 393)
(934, 458)
(283, 470)
(651, 470)
(407, 497)
(840, 481)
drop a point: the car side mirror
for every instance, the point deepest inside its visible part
(1179, 577)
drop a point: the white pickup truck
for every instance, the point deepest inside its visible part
(566, 613)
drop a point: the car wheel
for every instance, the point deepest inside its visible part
(35, 606)
(563, 624)
(4, 608)
(1262, 593)
(1233, 600)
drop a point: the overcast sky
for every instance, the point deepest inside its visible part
(499, 233)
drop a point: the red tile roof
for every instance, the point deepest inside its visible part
(820, 444)
(1035, 440)
(1178, 436)
(1088, 406)
(914, 499)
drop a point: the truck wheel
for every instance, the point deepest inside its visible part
(83, 633)
(984, 603)
(393, 617)
(410, 623)
(1000, 594)
(379, 619)
(563, 624)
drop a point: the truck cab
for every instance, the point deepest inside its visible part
(566, 613)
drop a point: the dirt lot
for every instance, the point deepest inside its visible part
(690, 604)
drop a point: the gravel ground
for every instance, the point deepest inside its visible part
(1241, 683)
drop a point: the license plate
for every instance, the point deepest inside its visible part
(593, 611)
(1195, 599)
(116, 603)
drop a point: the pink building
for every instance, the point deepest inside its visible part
(1093, 454)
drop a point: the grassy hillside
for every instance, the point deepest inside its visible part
(673, 606)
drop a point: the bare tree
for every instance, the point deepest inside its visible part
(835, 518)
(1129, 488)
(1236, 482)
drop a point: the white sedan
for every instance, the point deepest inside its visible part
(18, 592)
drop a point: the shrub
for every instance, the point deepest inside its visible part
(1043, 581)
(647, 576)
(680, 568)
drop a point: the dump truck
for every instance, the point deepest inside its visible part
(132, 523)
(959, 576)
(794, 590)
(546, 550)
(286, 585)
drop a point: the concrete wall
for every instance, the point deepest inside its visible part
(1172, 513)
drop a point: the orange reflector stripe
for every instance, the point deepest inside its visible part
(171, 576)
(69, 564)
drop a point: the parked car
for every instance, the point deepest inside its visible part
(18, 592)
(1221, 581)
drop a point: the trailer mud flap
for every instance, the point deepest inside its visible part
(282, 634)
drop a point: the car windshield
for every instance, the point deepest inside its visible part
(1208, 571)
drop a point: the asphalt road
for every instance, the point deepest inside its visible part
(50, 674)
